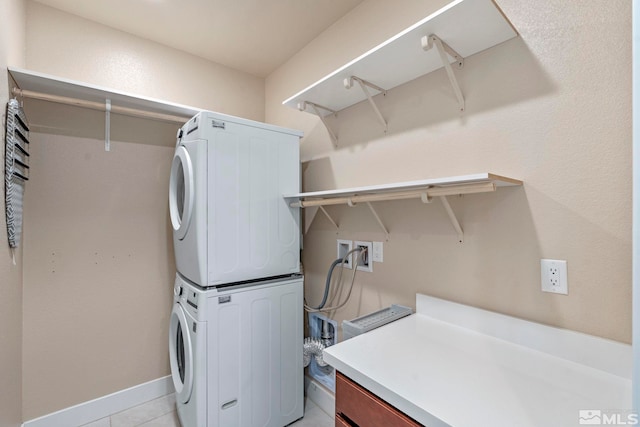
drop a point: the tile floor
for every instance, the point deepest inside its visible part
(161, 412)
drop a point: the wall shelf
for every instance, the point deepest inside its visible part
(49, 88)
(458, 30)
(424, 190)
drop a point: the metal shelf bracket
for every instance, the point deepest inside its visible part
(311, 215)
(324, 211)
(443, 50)
(348, 84)
(452, 218)
(375, 214)
(351, 204)
(302, 106)
(424, 191)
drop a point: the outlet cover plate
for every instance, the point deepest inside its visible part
(553, 274)
(368, 260)
(343, 247)
(377, 252)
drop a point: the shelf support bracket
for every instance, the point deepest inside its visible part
(310, 215)
(375, 214)
(324, 211)
(452, 218)
(302, 106)
(107, 125)
(443, 50)
(348, 84)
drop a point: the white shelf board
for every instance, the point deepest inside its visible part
(499, 181)
(456, 184)
(467, 26)
(51, 85)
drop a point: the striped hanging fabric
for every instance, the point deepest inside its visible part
(16, 169)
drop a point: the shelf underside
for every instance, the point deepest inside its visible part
(467, 26)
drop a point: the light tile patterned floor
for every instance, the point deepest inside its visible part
(161, 412)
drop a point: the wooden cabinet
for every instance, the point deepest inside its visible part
(358, 407)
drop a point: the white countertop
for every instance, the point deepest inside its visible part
(454, 365)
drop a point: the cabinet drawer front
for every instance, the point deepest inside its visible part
(365, 409)
(340, 422)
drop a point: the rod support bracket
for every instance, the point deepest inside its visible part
(424, 197)
(428, 42)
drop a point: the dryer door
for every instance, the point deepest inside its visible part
(181, 354)
(181, 192)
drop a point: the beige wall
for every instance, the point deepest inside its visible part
(99, 264)
(98, 270)
(68, 46)
(551, 107)
(12, 34)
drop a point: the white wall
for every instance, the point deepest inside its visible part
(551, 107)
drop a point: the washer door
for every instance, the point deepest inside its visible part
(181, 192)
(181, 354)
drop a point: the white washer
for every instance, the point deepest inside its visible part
(236, 354)
(230, 221)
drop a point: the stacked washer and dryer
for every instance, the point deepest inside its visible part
(236, 326)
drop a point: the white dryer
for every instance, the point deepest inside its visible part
(230, 221)
(236, 354)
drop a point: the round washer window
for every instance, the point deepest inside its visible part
(181, 192)
(180, 354)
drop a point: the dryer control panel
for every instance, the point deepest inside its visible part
(192, 299)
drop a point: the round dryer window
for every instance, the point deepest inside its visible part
(180, 354)
(181, 192)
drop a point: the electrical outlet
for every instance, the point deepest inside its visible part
(554, 276)
(365, 261)
(344, 246)
(377, 252)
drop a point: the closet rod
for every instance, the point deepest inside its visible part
(100, 106)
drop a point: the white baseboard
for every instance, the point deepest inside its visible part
(101, 407)
(319, 395)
